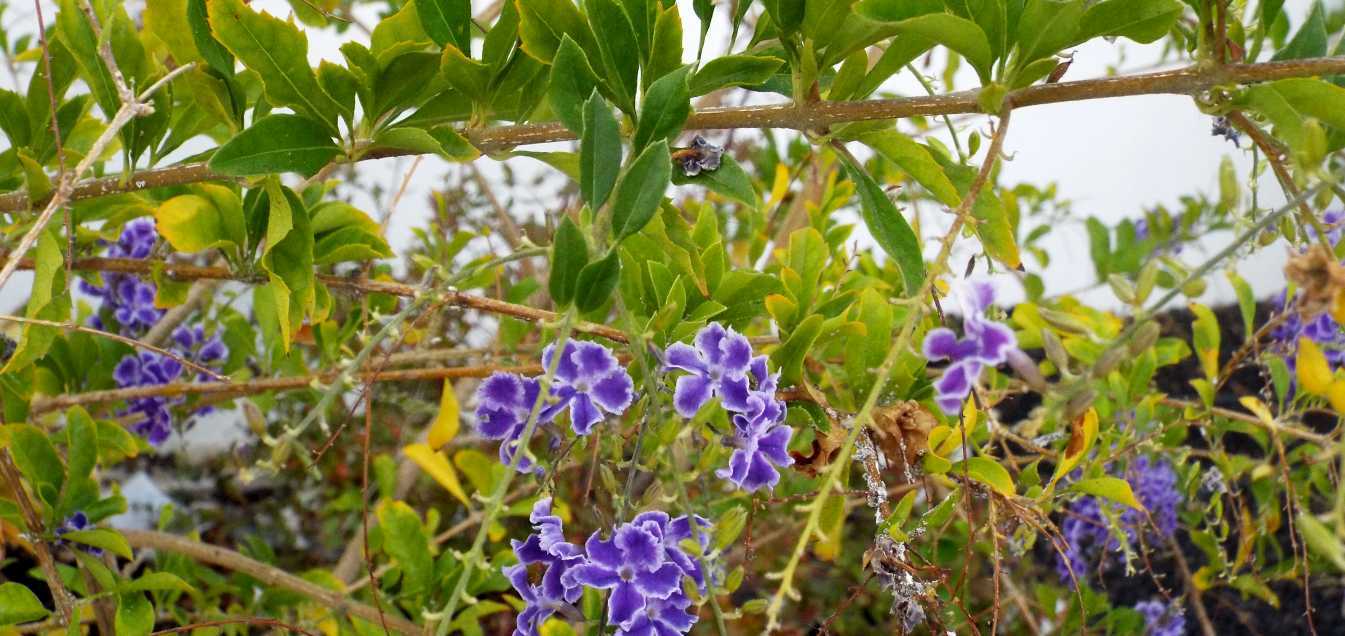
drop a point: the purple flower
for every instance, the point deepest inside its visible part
(588, 381)
(136, 241)
(674, 531)
(546, 546)
(1162, 619)
(129, 299)
(504, 402)
(700, 156)
(633, 565)
(1142, 229)
(661, 617)
(1086, 530)
(73, 523)
(985, 343)
(761, 442)
(717, 366)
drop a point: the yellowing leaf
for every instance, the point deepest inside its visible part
(445, 425)
(1336, 395)
(1082, 433)
(1314, 374)
(1112, 488)
(1338, 308)
(1258, 408)
(436, 465)
(781, 184)
(988, 472)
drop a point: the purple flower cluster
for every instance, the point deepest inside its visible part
(145, 368)
(1085, 527)
(721, 365)
(643, 564)
(1162, 619)
(984, 343)
(129, 300)
(589, 382)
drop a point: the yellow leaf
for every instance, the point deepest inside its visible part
(1314, 375)
(1336, 395)
(1338, 308)
(445, 425)
(1082, 433)
(781, 184)
(1258, 408)
(436, 465)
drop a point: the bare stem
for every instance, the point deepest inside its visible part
(810, 116)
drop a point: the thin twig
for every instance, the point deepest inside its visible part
(32, 519)
(815, 115)
(139, 344)
(254, 621)
(269, 575)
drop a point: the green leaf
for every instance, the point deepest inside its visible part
(640, 190)
(1045, 27)
(916, 161)
(439, 140)
(889, 228)
(81, 435)
(787, 15)
(156, 581)
(196, 222)
(405, 540)
(276, 143)
(216, 56)
(447, 21)
(135, 615)
(1290, 103)
(1311, 39)
(667, 105)
(278, 52)
(398, 33)
(543, 23)
(729, 180)
(597, 281)
(14, 119)
(48, 300)
(103, 539)
(572, 82)
(788, 358)
(599, 152)
(349, 244)
(405, 78)
(897, 10)
(569, 255)
(988, 472)
(1143, 21)
(733, 70)
(36, 458)
(467, 76)
(1111, 488)
(665, 53)
(18, 604)
(288, 259)
(1322, 540)
(617, 46)
(1205, 337)
(167, 20)
(959, 34)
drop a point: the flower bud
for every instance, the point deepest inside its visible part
(1144, 338)
(1062, 321)
(1055, 351)
(1078, 404)
(1108, 361)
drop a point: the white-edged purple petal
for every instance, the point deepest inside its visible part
(639, 547)
(593, 575)
(734, 393)
(566, 370)
(518, 577)
(529, 550)
(774, 445)
(497, 423)
(737, 354)
(593, 360)
(501, 390)
(683, 356)
(760, 474)
(661, 582)
(584, 414)
(708, 340)
(940, 344)
(604, 553)
(994, 341)
(614, 393)
(692, 392)
(625, 601)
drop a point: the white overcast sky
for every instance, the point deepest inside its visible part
(1112, 158)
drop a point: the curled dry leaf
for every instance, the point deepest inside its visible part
(1319, 276)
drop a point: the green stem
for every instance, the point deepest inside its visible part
(700, 556)
(947, 121)
(496, 502)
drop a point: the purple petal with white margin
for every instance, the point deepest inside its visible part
(737, 353)
(734, 393)
(593, 360)
(584, 415)
(957, 379)
(518, 577)
(501, 389)
(642, 625)
(625, 601)
(660, 583)
(975, 297)
(593, 576)
(760, 474)
(604, 553)
(774, 445)
(737, 468)
(682, 356)
(994, 341)
(566, 370)
(940, 343)
(530, 550)
(127, 372)
(692, 392)
(496, 423)
(640, 548)
(708, 340)
(662, 519)
(614, 393)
